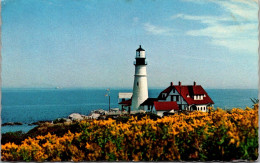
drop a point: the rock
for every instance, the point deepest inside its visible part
(114, 109)
(99, 111)
(39, 123)
(18, 123)
(61, 120)
(75, 117)
(102, 117)
(12, 123)
(142, 111)
(68, 120)
(94, 116)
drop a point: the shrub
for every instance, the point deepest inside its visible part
(14, 137)
(198, 136)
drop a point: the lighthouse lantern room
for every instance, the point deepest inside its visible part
(140, 88)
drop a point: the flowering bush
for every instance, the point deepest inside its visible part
(218, 135)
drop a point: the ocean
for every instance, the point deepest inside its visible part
(32, 105)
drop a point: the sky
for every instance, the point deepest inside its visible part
(92, 44)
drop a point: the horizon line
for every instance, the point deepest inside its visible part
(60, 88)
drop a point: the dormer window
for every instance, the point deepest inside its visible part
(198, 97)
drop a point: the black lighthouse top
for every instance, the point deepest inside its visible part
(140, 57)
(140, 49)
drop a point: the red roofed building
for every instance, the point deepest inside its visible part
(179, 97)
(125, 101)
(188, 97)
(168, 106)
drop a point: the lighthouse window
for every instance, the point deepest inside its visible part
(137, 84)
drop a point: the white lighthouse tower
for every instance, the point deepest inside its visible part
(140, 88)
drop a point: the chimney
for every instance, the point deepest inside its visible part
(179, 83)
(194, 83)
(171, 83)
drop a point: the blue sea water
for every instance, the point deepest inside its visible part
(32, 105)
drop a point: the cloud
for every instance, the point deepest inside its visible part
(202, 19)
(157, 30)
(242, 9)
(236, 29)
(219, 31)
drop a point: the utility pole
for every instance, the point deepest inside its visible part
(108, 94)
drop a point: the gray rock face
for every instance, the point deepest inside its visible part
(94, 116)
(39, 123)
(62, 120)
(12, 123)
(114, 109)
(76, 117)
(99, 111)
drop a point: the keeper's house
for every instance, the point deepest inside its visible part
(178, 98)
(125, 100)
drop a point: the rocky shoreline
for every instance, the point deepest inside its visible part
(95, 114)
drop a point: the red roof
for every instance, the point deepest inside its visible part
(126, 103)
(166, 106)
(190, 90)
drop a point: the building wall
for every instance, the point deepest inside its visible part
(181, 101)
(140, 88)
(140, 70)
(145, 108)
(202, 108)
(160, 113)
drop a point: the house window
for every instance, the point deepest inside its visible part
(177, 98)
(171, 98)
(173, 90)
(180, 107)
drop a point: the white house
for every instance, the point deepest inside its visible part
(186, 97)
(124, 100)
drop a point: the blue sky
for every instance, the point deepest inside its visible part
(76, 43)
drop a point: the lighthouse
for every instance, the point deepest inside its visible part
(140, 88)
